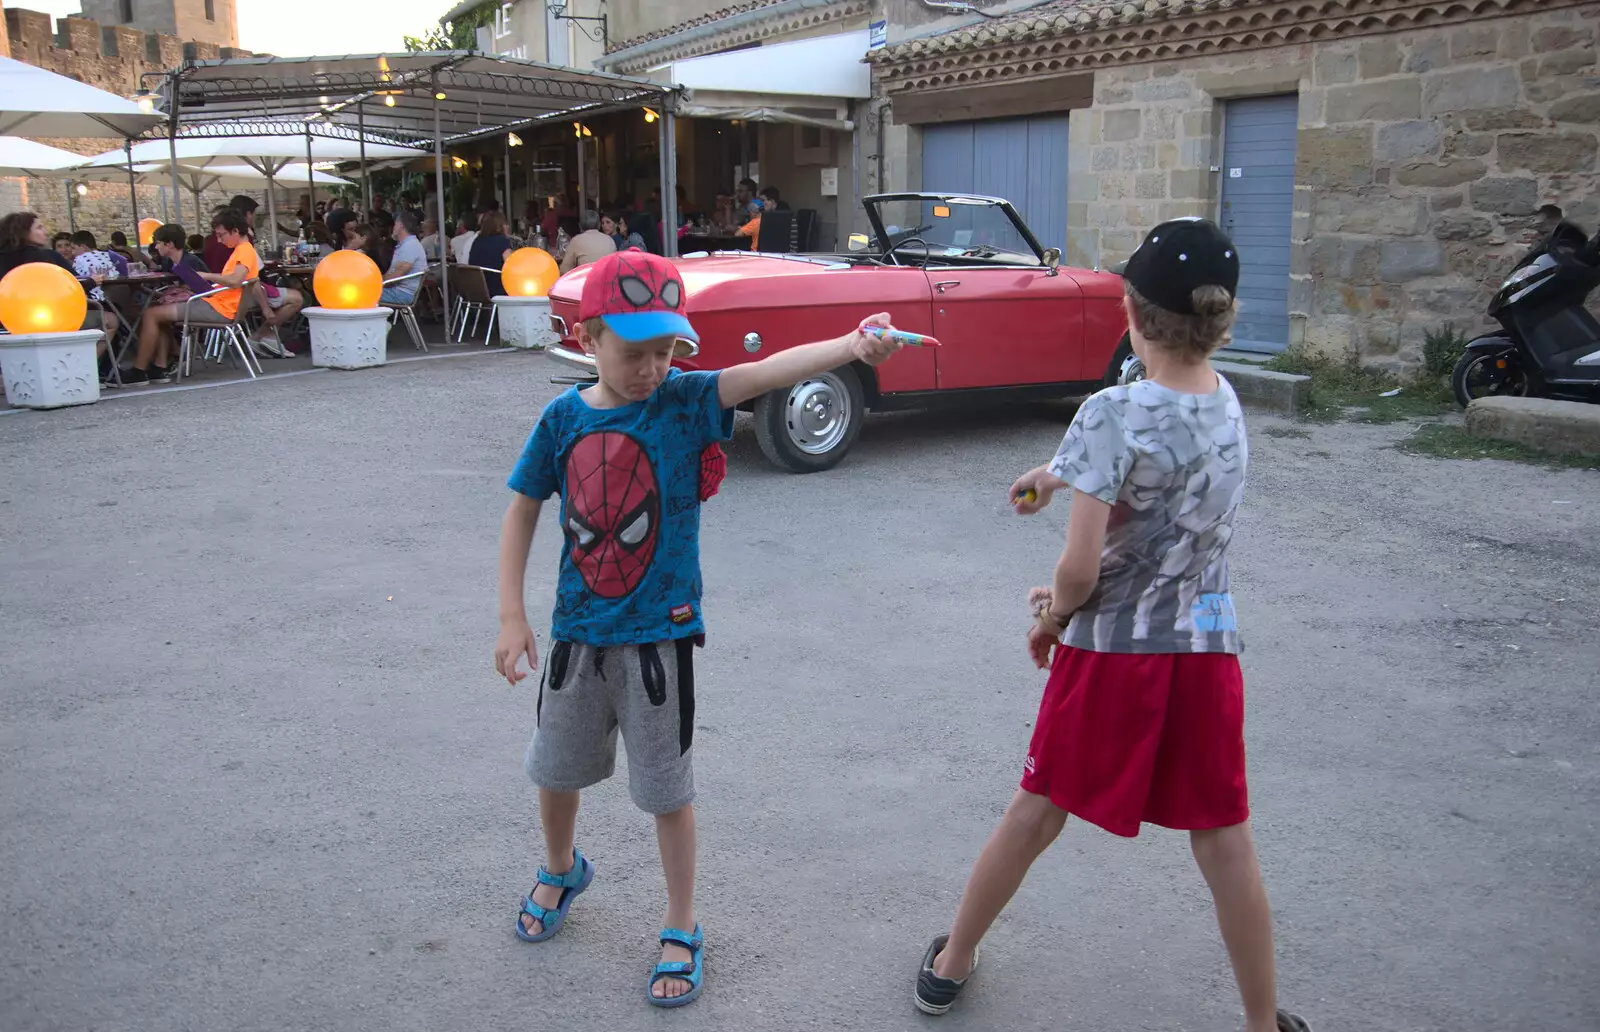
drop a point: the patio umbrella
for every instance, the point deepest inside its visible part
(212, 177)
(24, 157)
(36, 102)
(21, 157)
(268, 154)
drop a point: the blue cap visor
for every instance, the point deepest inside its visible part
(635, 327)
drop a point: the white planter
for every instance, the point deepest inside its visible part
(348, 338)
(525, 322)
(50, 370)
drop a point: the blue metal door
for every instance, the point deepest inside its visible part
(1023, 160)
(1257, 208)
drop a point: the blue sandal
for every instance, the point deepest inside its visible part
(571, 883)
(690, 971)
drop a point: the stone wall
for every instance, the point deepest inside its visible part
(1423, 161)
(112, 58)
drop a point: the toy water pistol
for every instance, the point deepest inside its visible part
(906, 337)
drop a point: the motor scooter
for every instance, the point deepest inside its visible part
(1549, 344)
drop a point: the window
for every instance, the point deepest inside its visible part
(125, 12)
(211, 10)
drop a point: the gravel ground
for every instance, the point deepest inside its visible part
(258, 773)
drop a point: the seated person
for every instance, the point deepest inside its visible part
(243, 266)
(119, 246)
(91, 263)
(591, 245)
(62, 242)
(22, 241)
(197, 244)
(490, 249)
(408, 258)
(491, 246)
(466, 235)
(430, 239)
(770, 201)
(173, 255)
(359, 236)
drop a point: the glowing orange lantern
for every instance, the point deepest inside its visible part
(529, 272)
(347, 279)
(41, 298)
(147, 231)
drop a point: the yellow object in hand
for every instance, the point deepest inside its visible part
(1028, 495)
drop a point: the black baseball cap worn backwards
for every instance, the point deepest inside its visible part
(1178, 256)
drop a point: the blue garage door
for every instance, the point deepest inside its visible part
(1023, 160)
(1257, 207)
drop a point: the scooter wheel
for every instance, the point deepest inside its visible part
(1480, 374)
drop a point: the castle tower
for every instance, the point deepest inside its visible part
(203, 21)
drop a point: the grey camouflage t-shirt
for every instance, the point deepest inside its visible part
(1172, 466)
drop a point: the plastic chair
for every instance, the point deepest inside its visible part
(406, 311)
(218, 338)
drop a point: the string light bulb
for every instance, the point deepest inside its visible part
(388, 101)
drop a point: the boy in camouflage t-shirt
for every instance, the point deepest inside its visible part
(1143, 715)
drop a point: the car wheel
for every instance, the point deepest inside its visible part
(1125, 367)
(809, 427)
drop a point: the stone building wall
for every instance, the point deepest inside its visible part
(111, 58)
(1423, 159)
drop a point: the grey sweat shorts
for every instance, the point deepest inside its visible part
(589, 693)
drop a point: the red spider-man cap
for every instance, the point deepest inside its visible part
(639, 295)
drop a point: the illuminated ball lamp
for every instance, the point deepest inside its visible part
(523, 311)
(349, 326)
(147, 231)
(46, 358)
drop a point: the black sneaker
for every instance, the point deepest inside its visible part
(935, 995)
(135, 377)
(158, 375)
(1288, 1022)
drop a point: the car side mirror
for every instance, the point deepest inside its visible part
(1052, 259)
(857, 242)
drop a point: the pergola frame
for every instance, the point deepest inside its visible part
(429, 97)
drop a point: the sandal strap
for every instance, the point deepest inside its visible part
(673, 969)
(568, 879)
(679, 937)
(537, 912)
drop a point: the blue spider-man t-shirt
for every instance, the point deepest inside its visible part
(629, 480)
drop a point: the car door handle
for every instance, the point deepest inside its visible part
(943, 285)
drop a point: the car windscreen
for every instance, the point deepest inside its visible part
(952, 228)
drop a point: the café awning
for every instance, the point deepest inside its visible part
(824, 66)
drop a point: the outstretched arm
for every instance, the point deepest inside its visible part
(753, 379)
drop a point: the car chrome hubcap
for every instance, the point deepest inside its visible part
(817, 413)
(1132, 370)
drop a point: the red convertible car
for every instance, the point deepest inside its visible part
(1011, 321)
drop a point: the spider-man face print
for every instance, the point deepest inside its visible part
(643, 286)
(613, 512)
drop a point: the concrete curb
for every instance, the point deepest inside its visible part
(1281, 392)
(1553, 427)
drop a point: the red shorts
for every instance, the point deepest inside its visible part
(1124, 738)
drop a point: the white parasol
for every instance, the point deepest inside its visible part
(268, 154)
(36, 102)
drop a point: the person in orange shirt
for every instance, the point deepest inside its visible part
(243, 266)
(752, 229)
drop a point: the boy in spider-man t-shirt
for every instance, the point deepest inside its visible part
(626, 456)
